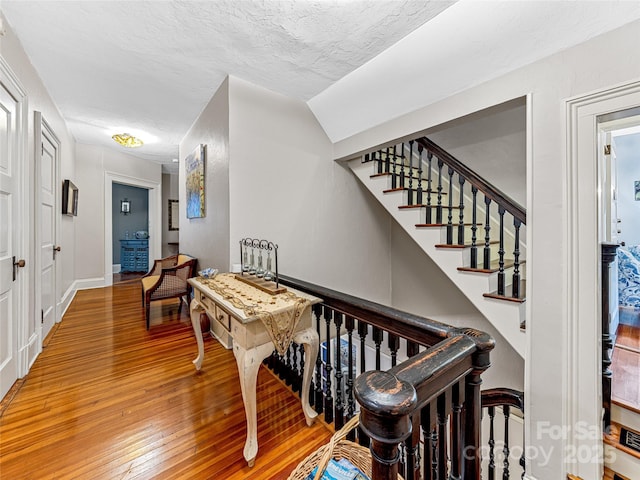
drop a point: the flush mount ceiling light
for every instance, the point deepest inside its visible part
(126, 140)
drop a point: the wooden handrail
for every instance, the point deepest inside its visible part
(499, 397)
(412, 327)
(485, 187)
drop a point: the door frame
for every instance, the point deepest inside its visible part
(155, 218)
(43, 129)
(22, 225)
(582, 375)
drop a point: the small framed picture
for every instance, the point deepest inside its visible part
(637, 190)
(125, 206)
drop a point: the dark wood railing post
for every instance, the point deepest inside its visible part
(609, 252)
(385, 416)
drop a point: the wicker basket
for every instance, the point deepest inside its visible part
(337, 448)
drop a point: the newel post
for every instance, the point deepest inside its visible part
(385, 417)
(473, 402)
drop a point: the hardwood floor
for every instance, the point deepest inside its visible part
(108, 399)
(625, 388)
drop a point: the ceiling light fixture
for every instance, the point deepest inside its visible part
(126, 140)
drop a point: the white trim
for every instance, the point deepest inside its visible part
(66, 299)
(23, 209)
(155, 218)
(88, 283)
(582, 398)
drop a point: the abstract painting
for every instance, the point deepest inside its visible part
(194, 165)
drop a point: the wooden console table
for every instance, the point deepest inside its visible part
(250, 340)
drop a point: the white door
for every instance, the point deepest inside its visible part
(10, 274)
(49, 180)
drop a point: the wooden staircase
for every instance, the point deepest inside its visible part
(474, 249)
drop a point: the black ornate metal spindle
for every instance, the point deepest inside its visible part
(394, 173)
(501, 251)
(419, 191)
(461, 211)
(474, 227)
(410, 191)
(377, 158)
(328, 396)
(402, 171)
(394, 344)
(429, 189)
(387, 162)
(492, 444)
(442, 436)
(456, 432)
(425, 426)
(378, 335)
(351, 404)
(505, 450)
(515, 293)
(439, 205)
(339, 405)
(288, 375)
(318, 403)
(450, 209)
(297, 384)
(486, 264)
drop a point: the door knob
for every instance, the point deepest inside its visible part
(56, 249)
(19, 264)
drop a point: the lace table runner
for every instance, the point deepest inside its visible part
(279, 313)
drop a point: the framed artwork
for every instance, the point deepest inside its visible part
(69, 198)
(637, 190)
(125, 206)
(194, 165)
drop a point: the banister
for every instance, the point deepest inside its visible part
(485, 187)
(413, 327)
(499, 397)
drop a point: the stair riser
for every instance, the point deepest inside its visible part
(621, 462)
(625, 417)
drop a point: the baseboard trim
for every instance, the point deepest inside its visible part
(88, 283)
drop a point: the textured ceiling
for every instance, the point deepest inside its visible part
(150, 67)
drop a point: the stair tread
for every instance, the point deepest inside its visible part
(507, 294)
(440, 225)
(466, 245)
(405, 188)
(613, 438)
(494, 266)
(609, 475)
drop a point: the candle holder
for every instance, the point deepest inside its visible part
(255, 267)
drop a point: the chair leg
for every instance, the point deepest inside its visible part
(179, 306)
(147, 314)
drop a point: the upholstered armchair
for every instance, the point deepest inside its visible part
(168, 279)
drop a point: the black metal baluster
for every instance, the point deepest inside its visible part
(351, 404)
(501, 253)
(288, 373)
(410, 191)
(429, 189)
(339, 405)
(378, 335)
(387, 162)
(474, 228)
(394, 174)
(505, 450)
(487, 235)
(393, 341)
(294, 368)
(515, 293)
(378, 161)
(328, 398)
(363, 330)
(402, 172)
(461, 212)
(318, 403)
(439, 205)
(492, 444)
(450, 208)
(419, 192)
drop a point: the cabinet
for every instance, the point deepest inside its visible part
(134, 255)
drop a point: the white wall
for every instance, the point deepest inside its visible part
(628, 160)
(38, 99)
(284, 188)
(550, 82)
(93, 164)
(170, 191)
(207, 238)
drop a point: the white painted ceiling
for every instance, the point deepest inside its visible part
(150, 67)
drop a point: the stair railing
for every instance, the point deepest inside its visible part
(440, 182)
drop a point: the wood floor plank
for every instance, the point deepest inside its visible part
(108, 399)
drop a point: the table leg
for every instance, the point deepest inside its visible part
(308, 338)
(248, 364)
(195, 310)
